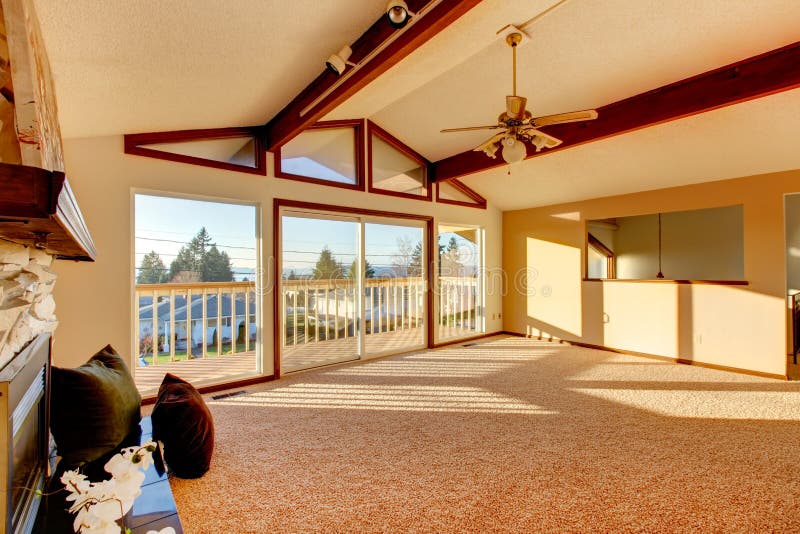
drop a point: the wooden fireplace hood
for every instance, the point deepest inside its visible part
(37, 208)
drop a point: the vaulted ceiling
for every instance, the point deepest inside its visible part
(127, 67)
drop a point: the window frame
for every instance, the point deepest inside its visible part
(136, 144)
(480, 202)
(357, 126)
(611, 258)
(374, 129)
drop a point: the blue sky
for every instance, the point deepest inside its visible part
(304, 238)
(165, 224)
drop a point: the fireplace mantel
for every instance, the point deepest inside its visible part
(37, 208)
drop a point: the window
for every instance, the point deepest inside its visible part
(196, 290)
(460, 285)
(456, 192)
(601, 259)
(233, 149)
(329, 153)
(394, 168)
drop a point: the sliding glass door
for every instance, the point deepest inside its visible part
(350, 287)
(319, 287)
(394, 287)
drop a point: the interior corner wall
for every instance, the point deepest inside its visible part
(742, 327)
(95, 300)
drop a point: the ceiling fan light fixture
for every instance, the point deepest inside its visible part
(513, 151)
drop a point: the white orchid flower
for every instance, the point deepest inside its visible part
(100, 505)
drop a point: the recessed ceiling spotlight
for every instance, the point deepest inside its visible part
(397, 13)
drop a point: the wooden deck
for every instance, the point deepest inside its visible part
(197, 370)
(315, 354)
(295, 358)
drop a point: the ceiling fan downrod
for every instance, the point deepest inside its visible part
(513, 39)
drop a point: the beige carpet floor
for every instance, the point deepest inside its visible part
(508, 435)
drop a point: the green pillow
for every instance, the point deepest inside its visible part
(93, 407)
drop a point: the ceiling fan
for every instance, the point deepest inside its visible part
(519, 125)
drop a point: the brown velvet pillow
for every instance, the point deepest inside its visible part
(93, 407)
(183, 424)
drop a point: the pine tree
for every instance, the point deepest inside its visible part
(327, 268)
(369, 270)
(201, 261)
(185, 266)
(200, 243)
(152, 270)
(216, 266)
(450, 259)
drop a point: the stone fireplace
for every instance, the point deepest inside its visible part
(39, 222)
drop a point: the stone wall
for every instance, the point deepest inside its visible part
(27, 308)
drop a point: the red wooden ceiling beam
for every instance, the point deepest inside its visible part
(755, 77)
(288, 123)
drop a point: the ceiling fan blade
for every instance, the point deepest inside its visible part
(561, 118)
(515, 107)
(471, 128)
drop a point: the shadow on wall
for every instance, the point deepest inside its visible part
(705, 322)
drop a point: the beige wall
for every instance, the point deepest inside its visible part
(696, 245)
(736, 326)
(95, 300)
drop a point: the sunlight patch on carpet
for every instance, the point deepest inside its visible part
(435, 369)
(389, 397)
(479, 355)
(758, 405)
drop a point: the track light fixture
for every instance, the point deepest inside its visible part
(397, 13)
(338, 62)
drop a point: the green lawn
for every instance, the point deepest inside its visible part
(211, 352)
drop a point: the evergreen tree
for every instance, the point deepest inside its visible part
(216, 266)
(450, 259)
(152, 270)
(184, 266)
(369, 270)
(327, 266)
(199, 244)
(201, 261)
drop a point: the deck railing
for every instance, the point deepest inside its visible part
(194, 320)
(459, 307)
(320, 310)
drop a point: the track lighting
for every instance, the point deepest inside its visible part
(338, 62)
(397, 13)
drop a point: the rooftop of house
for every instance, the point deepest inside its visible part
(122, 67)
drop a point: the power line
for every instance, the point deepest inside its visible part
(167, 255)
(187, 242)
